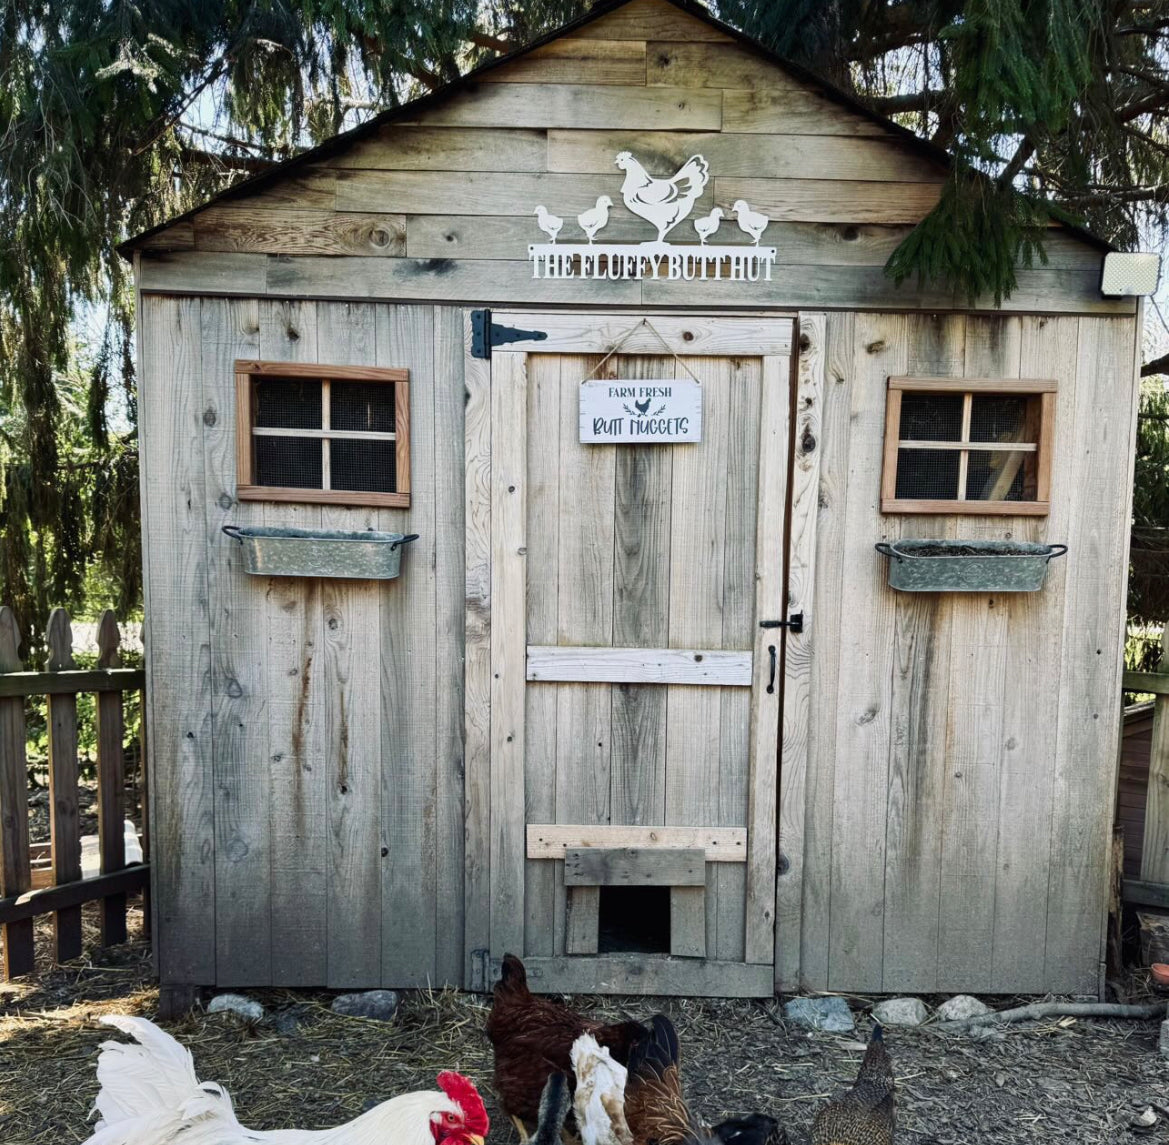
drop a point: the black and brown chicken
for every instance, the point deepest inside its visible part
(533, 1038)
(864, 1115)
(656, 1107)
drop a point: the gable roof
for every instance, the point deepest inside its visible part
(338, 144)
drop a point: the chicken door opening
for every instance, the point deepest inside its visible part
(634, 920)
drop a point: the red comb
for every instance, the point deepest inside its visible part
(461, 1090)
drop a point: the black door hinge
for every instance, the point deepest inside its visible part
(486, 335)
(795, 623)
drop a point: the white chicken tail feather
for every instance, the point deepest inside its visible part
(149, 1091)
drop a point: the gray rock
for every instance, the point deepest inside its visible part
(985, 1034)
(901, 1012)
(961, 1007)
(831, 1014)
(381, 1005)
(287, 1021)
(237, 1004)
(1163, 1045)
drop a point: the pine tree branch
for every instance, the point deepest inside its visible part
(492, 43)
(1156, 366)
(1017, 161)
(927, 100)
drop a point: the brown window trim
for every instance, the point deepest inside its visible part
(247, 369)
(1043, 388)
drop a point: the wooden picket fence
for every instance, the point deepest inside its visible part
(60, 683)
(1152, 888)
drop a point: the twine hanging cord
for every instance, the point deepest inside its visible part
(625, 338)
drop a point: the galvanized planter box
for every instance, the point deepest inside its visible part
(968, 566)
(367, 555)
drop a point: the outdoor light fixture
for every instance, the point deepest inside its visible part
(1129, 274)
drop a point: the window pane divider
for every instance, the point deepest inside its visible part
(350, 434)
(964, 456)
(975, 446)
(326, 452)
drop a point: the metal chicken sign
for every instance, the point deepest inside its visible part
(664, 204)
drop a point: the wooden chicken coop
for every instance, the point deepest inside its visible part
(605, 325)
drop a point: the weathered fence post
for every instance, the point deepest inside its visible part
(15, 868)
(64, 824)
(1155, 853)
(111, 781)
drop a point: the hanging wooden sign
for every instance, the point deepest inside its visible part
(639, 411)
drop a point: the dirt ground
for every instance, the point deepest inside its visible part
(303, 1066)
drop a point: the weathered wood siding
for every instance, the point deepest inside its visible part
(306, 736)
(962, 748)
(439, 206)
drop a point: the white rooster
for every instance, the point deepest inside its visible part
(662, 202)
(599, 1101)
(150, 1095)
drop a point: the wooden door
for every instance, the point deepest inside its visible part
(622, 678)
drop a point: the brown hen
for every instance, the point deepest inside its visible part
(533, 1038)
(864, 1115)
(656, 1109)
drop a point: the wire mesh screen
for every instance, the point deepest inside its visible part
(998, 417)
(1000, 475)
(365, 406)
(931, 417)
(290, 462)
(288, 403)
(927, 474)
(368, 466)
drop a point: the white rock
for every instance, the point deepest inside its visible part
(1163, 1045)
(829, 1013)
(381, 1005)
(901, 1012)
(236, 1004)
(1146, 1119)
(961, 1007)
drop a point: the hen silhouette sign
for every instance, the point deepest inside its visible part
(664, 203)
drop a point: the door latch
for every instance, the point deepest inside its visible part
(794, 623)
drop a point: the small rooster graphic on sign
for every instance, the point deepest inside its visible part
(642, 407)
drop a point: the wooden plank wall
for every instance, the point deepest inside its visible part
(440, 207)
(306, 737)
(962, 751)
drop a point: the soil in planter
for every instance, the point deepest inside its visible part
(968, 551)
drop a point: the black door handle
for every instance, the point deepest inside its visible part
(774, 658)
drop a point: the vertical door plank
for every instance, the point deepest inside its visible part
(111, 781)
(978, 659)
(542, 602)
(741, 486)
(827, 639)
(351, 708)
(15, 868)
(508, 650)
(230, 330)
(409, 666)
(1034, 646)
(178, 640)
(585, 607)
(448, 734)
(641, 590)
(697, 557)
(919, 705)
(798, 655)
(863, 688)
(477, 656)
(295, 690)
(769, 601)
(688, 920)
(1090, 667)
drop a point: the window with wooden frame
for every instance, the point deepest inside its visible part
(968, 445)
(334, 435)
